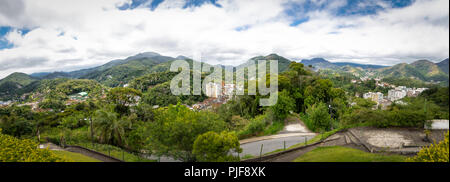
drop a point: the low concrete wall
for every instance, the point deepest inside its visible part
(438, 125)
(274, 155)
(91, 153)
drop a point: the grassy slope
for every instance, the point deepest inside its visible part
(75, 157)
(344, 154)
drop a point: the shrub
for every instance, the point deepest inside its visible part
(255, 127)
(274, 128)
(433, 153)
(16, 126)
(176, 128)
(237, 123)
(214, 147)
(16, 150)
(283, 106)
(318, 118)
(406, 118)
(74, 121)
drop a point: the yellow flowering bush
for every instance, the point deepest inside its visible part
(16, 150)
(433, 153)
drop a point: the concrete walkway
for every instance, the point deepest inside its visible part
(50, 146)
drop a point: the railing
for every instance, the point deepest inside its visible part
(91, 153)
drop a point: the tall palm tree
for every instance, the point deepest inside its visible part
(110, 128)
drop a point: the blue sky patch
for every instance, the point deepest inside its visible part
(299, 11)
(242, 28)
(299, 21)
(4, 44)
(194, 3)
(154, 4)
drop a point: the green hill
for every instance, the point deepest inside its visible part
(19, 78)
(422, 70)
(427, 68)
(120, 72)
(10, 85)
(283, 63)
(443, 65)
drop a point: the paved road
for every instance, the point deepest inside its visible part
(270, 145)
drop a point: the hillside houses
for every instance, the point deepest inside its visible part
(77, 98)
(218, 94)
(402, 91)
(216, 90)
(394, 95)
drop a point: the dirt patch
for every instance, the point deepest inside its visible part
(294, 125)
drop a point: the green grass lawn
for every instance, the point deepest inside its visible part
(345, 154)
(75, 157)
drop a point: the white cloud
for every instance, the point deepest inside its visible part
(73, 34)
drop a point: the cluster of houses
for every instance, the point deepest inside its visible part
(378, 81)
(217, 90)
(73, 99)
(401, 91)
(218, 93)
(77, 98)
(393, 95)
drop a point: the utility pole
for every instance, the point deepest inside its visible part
(425, 108)
(331, 115)
(92, 131)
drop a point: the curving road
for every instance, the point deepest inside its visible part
(292, 134)
(269, 145)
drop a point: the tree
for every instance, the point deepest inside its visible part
(16, 126)
(319, 117)
(175, 129)
(433, 153)
(319, 91)
(298, 68)
(17, 150)
(214, 147)
(54, 104)
(237, 123)
(110, 128)
(299, 78)
(365, 103)
(74, 121)
(123, 98)
(284, 105)
(144, 112)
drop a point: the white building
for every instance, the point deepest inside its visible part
(401, 91)
(376, 97)
(216, 90)
(213, 89)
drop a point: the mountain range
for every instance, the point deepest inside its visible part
(423, 70)
(320, 63)
(122, 71)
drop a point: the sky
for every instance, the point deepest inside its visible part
(66, 35)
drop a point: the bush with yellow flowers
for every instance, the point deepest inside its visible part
(17, 150)
(433, 153)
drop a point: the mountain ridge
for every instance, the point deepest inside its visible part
(120, 71)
